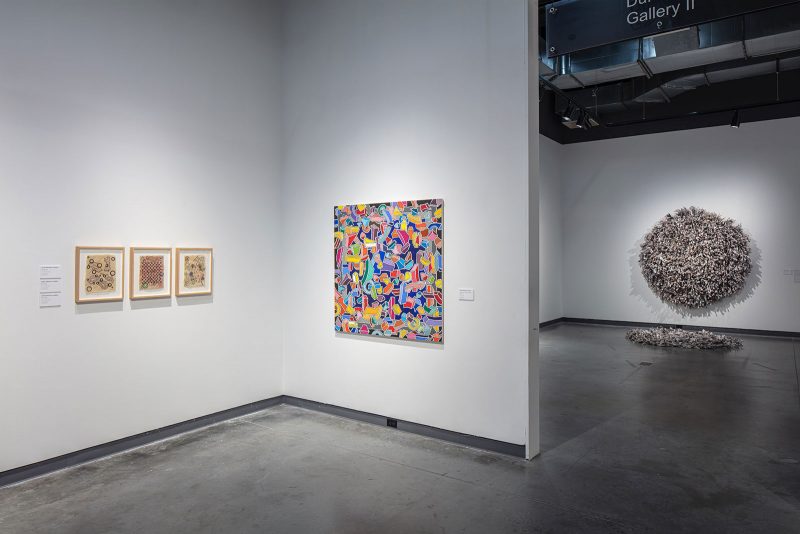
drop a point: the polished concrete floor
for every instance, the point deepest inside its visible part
(635, 439)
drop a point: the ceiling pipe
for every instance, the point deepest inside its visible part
(737, 110)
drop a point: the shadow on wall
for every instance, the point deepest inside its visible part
(97, 307)
(194, 300)
(148, 304)
(390, 341)
(663, 311)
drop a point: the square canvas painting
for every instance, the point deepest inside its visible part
(388, 270)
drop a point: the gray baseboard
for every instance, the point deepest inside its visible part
(83, 456)
(637, 324)
(552, 322)
(477, 442)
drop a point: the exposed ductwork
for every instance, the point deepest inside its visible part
(660, 68)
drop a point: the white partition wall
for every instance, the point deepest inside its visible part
(390, 100)
(614, 191)
(532, 439)
(146, 124)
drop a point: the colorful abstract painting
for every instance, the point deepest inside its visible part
(388, 275)
(151, 272)
(101, 273)
(194, 271)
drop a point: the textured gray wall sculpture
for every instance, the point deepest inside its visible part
(675, 337)
(694, 258)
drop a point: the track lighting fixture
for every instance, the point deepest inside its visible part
(581, 122)
(736, 122)
(570, 109)
(575, 117)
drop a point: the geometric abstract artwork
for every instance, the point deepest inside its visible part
(194, 271)
(693, 258)
(99, 274)
(151, 270)
(388, 269)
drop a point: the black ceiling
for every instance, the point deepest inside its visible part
(625, 107)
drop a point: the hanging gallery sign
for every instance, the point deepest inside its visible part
(574, 25)
(388, 272)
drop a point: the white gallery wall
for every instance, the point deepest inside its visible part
(136, 123)
(615, 190)
(390, 100)
(551, 234)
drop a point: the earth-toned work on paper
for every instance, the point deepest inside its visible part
(194, 271)
(151, 272)
(101, 273)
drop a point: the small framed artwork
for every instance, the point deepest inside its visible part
(151, 273)
(99, 274)
(194, 271)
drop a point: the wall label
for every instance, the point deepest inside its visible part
(467, 294)
(51, 286)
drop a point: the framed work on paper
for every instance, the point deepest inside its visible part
(99, 274)
(151, 273)
(194, 271)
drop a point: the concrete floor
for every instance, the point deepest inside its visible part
(692, 443)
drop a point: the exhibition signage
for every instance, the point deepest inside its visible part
(574, 25)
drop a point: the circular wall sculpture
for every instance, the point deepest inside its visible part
(694, 258)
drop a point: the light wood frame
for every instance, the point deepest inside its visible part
(177, 268)
(131, 254)
(78, 299)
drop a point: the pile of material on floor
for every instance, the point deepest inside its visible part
(686, 339)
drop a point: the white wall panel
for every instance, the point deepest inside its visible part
(614, 191)
(390, 100)
(136, 123)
